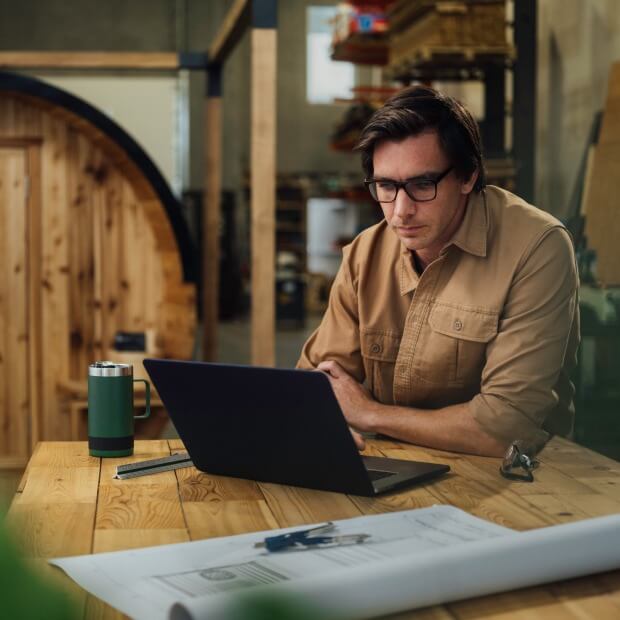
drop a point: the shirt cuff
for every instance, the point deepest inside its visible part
(505, 423)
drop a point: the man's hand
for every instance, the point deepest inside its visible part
(358, 406)
(449, 428)
(360, 442)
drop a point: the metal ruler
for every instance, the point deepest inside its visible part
(154, 466)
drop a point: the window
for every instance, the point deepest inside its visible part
(325, 78)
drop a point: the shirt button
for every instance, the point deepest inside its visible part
(375, 348)
(458, 325)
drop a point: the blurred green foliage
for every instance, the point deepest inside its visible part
(25, 594)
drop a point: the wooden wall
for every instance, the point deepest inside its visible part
(102, 258)
(14, 354)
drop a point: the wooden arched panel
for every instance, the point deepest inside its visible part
(104, 253)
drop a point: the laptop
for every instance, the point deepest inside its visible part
(273, 425)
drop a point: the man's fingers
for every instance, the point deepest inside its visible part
(331, 368)
(358, 439)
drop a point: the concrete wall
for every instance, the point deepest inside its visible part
(303, 129)
(169, 25)
(145, 105)
(134, 25)
(577, 42)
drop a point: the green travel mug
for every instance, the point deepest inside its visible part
(110, 408)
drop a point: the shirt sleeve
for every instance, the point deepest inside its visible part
(525, 359)
(337, 338)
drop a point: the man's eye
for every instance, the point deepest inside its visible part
(423, 185)
(385, 185)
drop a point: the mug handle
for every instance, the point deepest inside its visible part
(148, 399)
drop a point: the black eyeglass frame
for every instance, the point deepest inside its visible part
(398, 185)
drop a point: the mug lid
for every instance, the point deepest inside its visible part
(110, 369)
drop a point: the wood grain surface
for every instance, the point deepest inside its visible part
(14, 379)
(68, 503)
(89, 60)
(263, 43)
(226, 32)
(87, 250)
(211, 226)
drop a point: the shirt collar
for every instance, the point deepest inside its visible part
(471, 237)
(408, 276)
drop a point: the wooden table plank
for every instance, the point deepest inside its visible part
(529, 604)
(547, 479)
(610, 582)
(569, 498)
(58, 579)
(54, 508)
(96, 609)
(196, 486)
(607, 485)
(60, 485)
(119, 539)
(59, 522)
(62, 454)
(53, 530)
(146, 508)
(476, 490)
(558, 507)
(591, 598)
(221, 506)
(216, 518)
(427, 613)
(176, 445)
(69, 503)
(595, 504)
(296, 506)
(138, 507)
(567, 455)
(421, 497)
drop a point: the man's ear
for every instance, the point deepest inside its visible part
(468, 186)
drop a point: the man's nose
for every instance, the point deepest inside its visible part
(403, 205)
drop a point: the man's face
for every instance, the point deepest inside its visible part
(423, 227)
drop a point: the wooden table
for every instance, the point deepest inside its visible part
(68, 503)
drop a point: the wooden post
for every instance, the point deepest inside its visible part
(262, 15)
(211, 213)
(156, 61)
(34, 291)
(263, 174)
(100, 345)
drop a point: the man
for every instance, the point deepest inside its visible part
(454, 322)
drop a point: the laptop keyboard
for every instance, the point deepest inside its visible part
(377, 474)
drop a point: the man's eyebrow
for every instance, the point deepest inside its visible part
(427, 175)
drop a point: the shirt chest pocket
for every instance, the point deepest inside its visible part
(379, 353)
(452, 348)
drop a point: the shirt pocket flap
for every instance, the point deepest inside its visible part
(380, 345)
(465, 324)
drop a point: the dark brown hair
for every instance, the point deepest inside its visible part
(419, 108)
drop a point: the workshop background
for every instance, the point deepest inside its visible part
(109, 156)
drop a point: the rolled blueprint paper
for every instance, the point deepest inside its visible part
(478, 568)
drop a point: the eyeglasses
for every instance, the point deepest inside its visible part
(516, 458)
(420, 189)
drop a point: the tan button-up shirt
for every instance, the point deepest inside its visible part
(493, 321)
